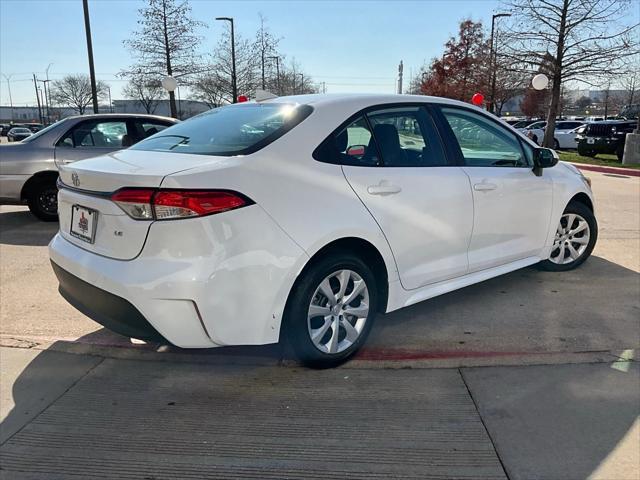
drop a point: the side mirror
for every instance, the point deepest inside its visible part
(356, 150)
(544, 158)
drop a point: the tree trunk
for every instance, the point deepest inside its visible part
(550, 129)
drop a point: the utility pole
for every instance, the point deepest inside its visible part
(92, 72)
(35, 85)
(234, 85)
(45, 99)
(301, 82)
(277, 59)
(400, 69)
(8, 79)
(493, 61)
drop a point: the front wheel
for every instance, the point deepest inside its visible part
(575, 239)
(331, 310)
(43, 200)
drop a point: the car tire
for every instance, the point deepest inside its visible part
(43, 200)
(313, 337)
(556, 144)
(576, 236)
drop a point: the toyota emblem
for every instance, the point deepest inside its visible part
(75, 179)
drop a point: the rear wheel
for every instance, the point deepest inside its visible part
(331, 310)
(575, 238)
(556, 144)
(43, 200)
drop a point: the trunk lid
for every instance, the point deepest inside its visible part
(90, 182)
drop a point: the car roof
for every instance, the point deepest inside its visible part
(362, 100)
(122, 115)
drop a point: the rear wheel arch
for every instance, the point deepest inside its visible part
(363, 249)
(39, 178)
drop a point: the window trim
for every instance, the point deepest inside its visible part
(453, 141)
(426, 110)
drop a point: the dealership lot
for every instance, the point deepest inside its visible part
(558, 397)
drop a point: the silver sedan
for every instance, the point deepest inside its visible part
(28, 169)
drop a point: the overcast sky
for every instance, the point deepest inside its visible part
(352, 46)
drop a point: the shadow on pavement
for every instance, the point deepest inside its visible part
(20, 227)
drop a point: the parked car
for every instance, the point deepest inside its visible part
(29, 169)
(535, 131)
(305, 216)
(567, 139)
(17, 134)
(34, 127)
(605, 137)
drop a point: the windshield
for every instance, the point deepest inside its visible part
(39, 133)
(229, 130)
(20, 130)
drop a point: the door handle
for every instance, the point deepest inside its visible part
(383, 188)
(484, 187)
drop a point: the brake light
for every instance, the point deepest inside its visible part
(149, 204)
(136, 202)
(179, 203)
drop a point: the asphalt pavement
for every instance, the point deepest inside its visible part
(530, 375)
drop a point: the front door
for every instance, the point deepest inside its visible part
(394, 161)
(92, 138)
(512, 205)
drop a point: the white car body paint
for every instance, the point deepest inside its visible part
(224, 279)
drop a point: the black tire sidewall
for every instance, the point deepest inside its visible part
(34, 203)
(586, 213)
(295, 321)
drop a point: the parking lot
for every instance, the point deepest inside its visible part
(529, 375)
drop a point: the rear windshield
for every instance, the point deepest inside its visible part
(229, 130)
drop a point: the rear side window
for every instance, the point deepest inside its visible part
(389, 137)
(230, 130)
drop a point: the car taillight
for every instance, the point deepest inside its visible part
(136, 202)
(148, 204)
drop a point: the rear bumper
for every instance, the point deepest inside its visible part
(217, 280)
(109, 310)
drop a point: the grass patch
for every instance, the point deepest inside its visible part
(603, 160)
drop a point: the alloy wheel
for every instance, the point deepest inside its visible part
(48, 200)
(338, 311)
(571, 240)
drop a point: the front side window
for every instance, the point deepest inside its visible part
(96, 134)
(229, 130)
(483, 142)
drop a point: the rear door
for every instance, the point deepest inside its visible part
(512, 206)
(92, 138)
(394, 160)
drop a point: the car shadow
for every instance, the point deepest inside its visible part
(19, 227)
(592, 308)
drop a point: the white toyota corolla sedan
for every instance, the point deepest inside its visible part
(303, 217)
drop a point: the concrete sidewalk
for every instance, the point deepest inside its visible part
(70, 415)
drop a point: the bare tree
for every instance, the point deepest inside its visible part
(147, 91)
(247, 71)
(265, 46)
(210, 90)
(583, 38)
(167, 42)
(630, 84)
(75, 91)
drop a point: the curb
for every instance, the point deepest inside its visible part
(632, 172)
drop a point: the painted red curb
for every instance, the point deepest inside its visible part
(620, 171)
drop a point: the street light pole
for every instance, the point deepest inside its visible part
(35, 85)
(48, 91)
(277, 71)
(493, 57)
(45, 100)
(234, 85)
(92, 72)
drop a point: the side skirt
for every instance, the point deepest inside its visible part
(399, 298)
